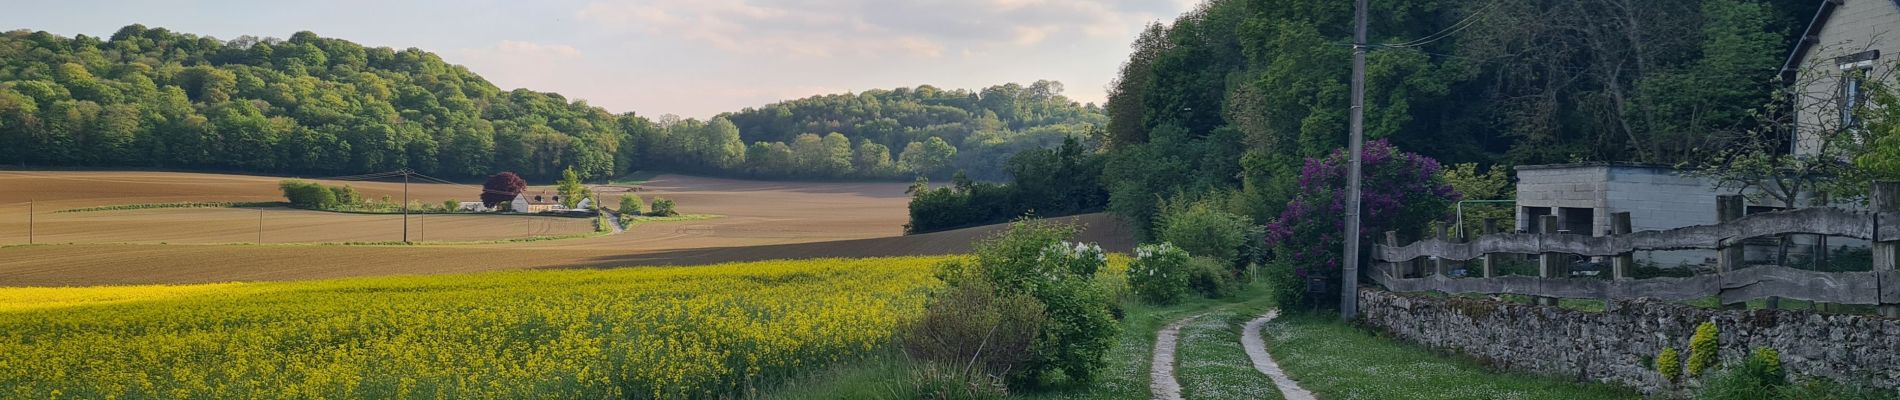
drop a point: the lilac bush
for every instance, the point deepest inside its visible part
(1401, 192)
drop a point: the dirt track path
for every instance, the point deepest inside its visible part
(1257, 350)
(1161, 373)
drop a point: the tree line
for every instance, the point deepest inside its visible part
(150, 97)
(1232, 99)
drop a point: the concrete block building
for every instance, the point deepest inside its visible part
(1583, 196)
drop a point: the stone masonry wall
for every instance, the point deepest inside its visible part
(1619, 346)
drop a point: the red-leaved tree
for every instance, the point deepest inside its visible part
(502, 188)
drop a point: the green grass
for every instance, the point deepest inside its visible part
(891, 376)
(1130, 361)
(880, 376)
(1210, 362)
(189, 204)
(1338, 361)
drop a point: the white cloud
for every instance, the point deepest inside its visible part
(868, 28)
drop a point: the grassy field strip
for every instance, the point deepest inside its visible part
(1161, 370)
(1263, 362)
(1337, 362)
(1212, 361)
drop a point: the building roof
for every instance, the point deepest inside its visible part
(542, 198)
(1808, 38)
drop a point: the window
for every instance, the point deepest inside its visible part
(1854, 70)
(1853, 93)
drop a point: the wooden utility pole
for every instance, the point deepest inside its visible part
(405, 205)
(1349, 272)
(29, 221)
(260, 226)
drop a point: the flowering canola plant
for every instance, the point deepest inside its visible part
(707, 331)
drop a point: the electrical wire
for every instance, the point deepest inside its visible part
(1461, 25)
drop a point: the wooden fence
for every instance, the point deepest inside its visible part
(1731, 283)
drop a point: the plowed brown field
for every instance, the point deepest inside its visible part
(761, 220)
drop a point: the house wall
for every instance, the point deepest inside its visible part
(1562, 187)
(1853, 27)
(1657, 199)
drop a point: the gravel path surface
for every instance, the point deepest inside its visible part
(1162, 381)
(1257, 350)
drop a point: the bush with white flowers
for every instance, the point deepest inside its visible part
(1159, 273)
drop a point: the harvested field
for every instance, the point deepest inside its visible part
(762, 220)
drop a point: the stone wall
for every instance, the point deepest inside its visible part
(1619, 346)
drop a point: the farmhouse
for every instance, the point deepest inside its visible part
(1848, 44)
(538, 202)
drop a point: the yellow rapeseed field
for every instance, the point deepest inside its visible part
(707, 331)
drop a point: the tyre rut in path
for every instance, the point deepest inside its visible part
(1161, 374)
(1257, 350)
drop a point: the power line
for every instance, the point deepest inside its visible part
(1461, 25)
(362, 177)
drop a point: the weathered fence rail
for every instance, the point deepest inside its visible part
(1731, 284)
(1816, 221)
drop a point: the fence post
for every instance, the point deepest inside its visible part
(1444, 236)
(1490, 227)
(1547, 267)
(1729, 208)
(1886, 199)
(1620, 266)
(1394, 266)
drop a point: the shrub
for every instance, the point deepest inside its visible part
(1203, 231)
(451, 205)
(1702, 348)
(662, 208)
(1211, 278)
(306, 194)
(1758, 377)
(1159, 273)
(940, 383)
(1763, 365)
(346, 195)
(1032, 258)
(1402, 192)
(1669, 364)
(630, 204)
(973, 327)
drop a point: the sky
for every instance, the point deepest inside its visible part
(694, 58)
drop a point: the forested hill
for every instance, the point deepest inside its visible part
(986, 127)
(150, 97)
